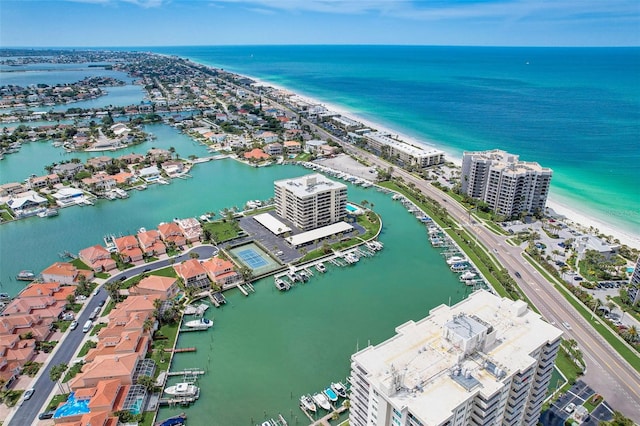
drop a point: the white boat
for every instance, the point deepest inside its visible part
(321, 268)
(120, 193)
(48, 213)
(26, 276)
(87, 202)
(199, 323)
(467, 276)
(339, 389)
(182, 389)
(142, 230)
(322, 400)
(282, 285)
(351, 258)
(307, 404)
(455, 259)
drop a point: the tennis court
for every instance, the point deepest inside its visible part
(254, 258)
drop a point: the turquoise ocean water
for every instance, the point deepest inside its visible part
(576, 110)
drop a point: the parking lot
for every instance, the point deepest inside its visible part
(564, 407)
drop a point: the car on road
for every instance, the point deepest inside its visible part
(577, 278)
(73, 325)
(122, 278)
(96, 291)
(517, 274)
(566, 325)
(28, 394)
(46, 415)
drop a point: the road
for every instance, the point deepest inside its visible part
(27, 412)
(607, 372)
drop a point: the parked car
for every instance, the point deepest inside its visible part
(73, 325)
(570, 407)
(46, 415)
(28, 394)
(578, 278)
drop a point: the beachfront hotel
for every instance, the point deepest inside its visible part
(311, 201)
(383, 144)
(486, 360)
(509, 186)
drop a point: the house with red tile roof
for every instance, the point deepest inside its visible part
(132, 158)
(222, 272)
(123, 178)
(127, 342)
(191, 228)
(46, 307)
(64, 273)
(99, 182)
(143, 304)
(53, 289)
(97, 258)
(128, 248)
(14, 354)
(40, 328)
(108, 367)
(99, 163)
(171, 233)
(256, 154)
(119, 323)
(192, 274)
(151, 243)
(292, 147)
(40, 182)
(161, 287)
(100, 418)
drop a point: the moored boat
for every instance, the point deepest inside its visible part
(182, 389)
(322, 400)
(321, 268)
(339, 389)
(331, 394)
(455, 259)
(26, 275)
(48, 213)
(467, 276)
(281, 285)
(199, 323)
(307, 404)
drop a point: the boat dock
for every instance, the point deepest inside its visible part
(187, 372)
(180, 350)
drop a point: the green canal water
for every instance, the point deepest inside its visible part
(267, 349)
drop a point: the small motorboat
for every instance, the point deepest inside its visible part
(26, 276)
(182, 389)
(455, 259)
(307, 404)
(331, 394)
(339, 389)
(321, 268)
(322, 400)
(282, 285)
(199, 323)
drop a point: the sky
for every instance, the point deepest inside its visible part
(101, 23)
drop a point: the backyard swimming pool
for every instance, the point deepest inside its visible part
(72, 407)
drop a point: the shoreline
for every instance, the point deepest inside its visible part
(554, 201)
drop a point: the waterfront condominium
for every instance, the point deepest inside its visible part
(311, 201)
(509, 186)
(484, 361)
(402, 152)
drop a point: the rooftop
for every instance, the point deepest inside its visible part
(308, 185)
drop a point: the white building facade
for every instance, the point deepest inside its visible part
(311, 201)
(509, 186)
(485, 361)
(405, 154)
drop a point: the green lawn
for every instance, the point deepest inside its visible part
(98, 327)
(72, 371)
(62, 325)
(165, 272)
(56, 400)
(222, 230)
(80, 264)
(88, 345)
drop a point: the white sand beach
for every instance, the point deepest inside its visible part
(554, 202)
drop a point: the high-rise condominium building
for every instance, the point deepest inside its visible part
(311, 201)
(509, 186)
(485, 361)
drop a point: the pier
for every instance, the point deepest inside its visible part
(187, 372)
(180, 350)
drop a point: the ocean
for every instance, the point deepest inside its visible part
(575, 110)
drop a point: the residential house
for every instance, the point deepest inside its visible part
(99, 163)
(11, 188)
(128, 248)
(314, 146)
(157, 154)
(192, 274)
(142, 305)
(27, 204)
(46, 307)
(150, 174)
(68, 170)
(161, 287)
(273, 148)
(125, 342)
(106, 367)
(99, 182)
(61, 272)
(151, 243)
(123, 178)
(120, 129)
(268, 137)
(173, 167)
(222, 272)
(132, 158)
(68, 196)
(45, 181)
(171, 233)
(53, 289)
(191, 229)
(292, 147)
(256, 154)
(97, 258)
(14, 354)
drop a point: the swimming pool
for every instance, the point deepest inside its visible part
(353, 209)
(72, 407)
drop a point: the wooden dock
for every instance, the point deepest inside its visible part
(186, 373)
(180, 350)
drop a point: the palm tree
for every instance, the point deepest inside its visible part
(148, 382)
(55, 374)
(632, 334)
(113, 288)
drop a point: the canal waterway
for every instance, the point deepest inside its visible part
(267, 349)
